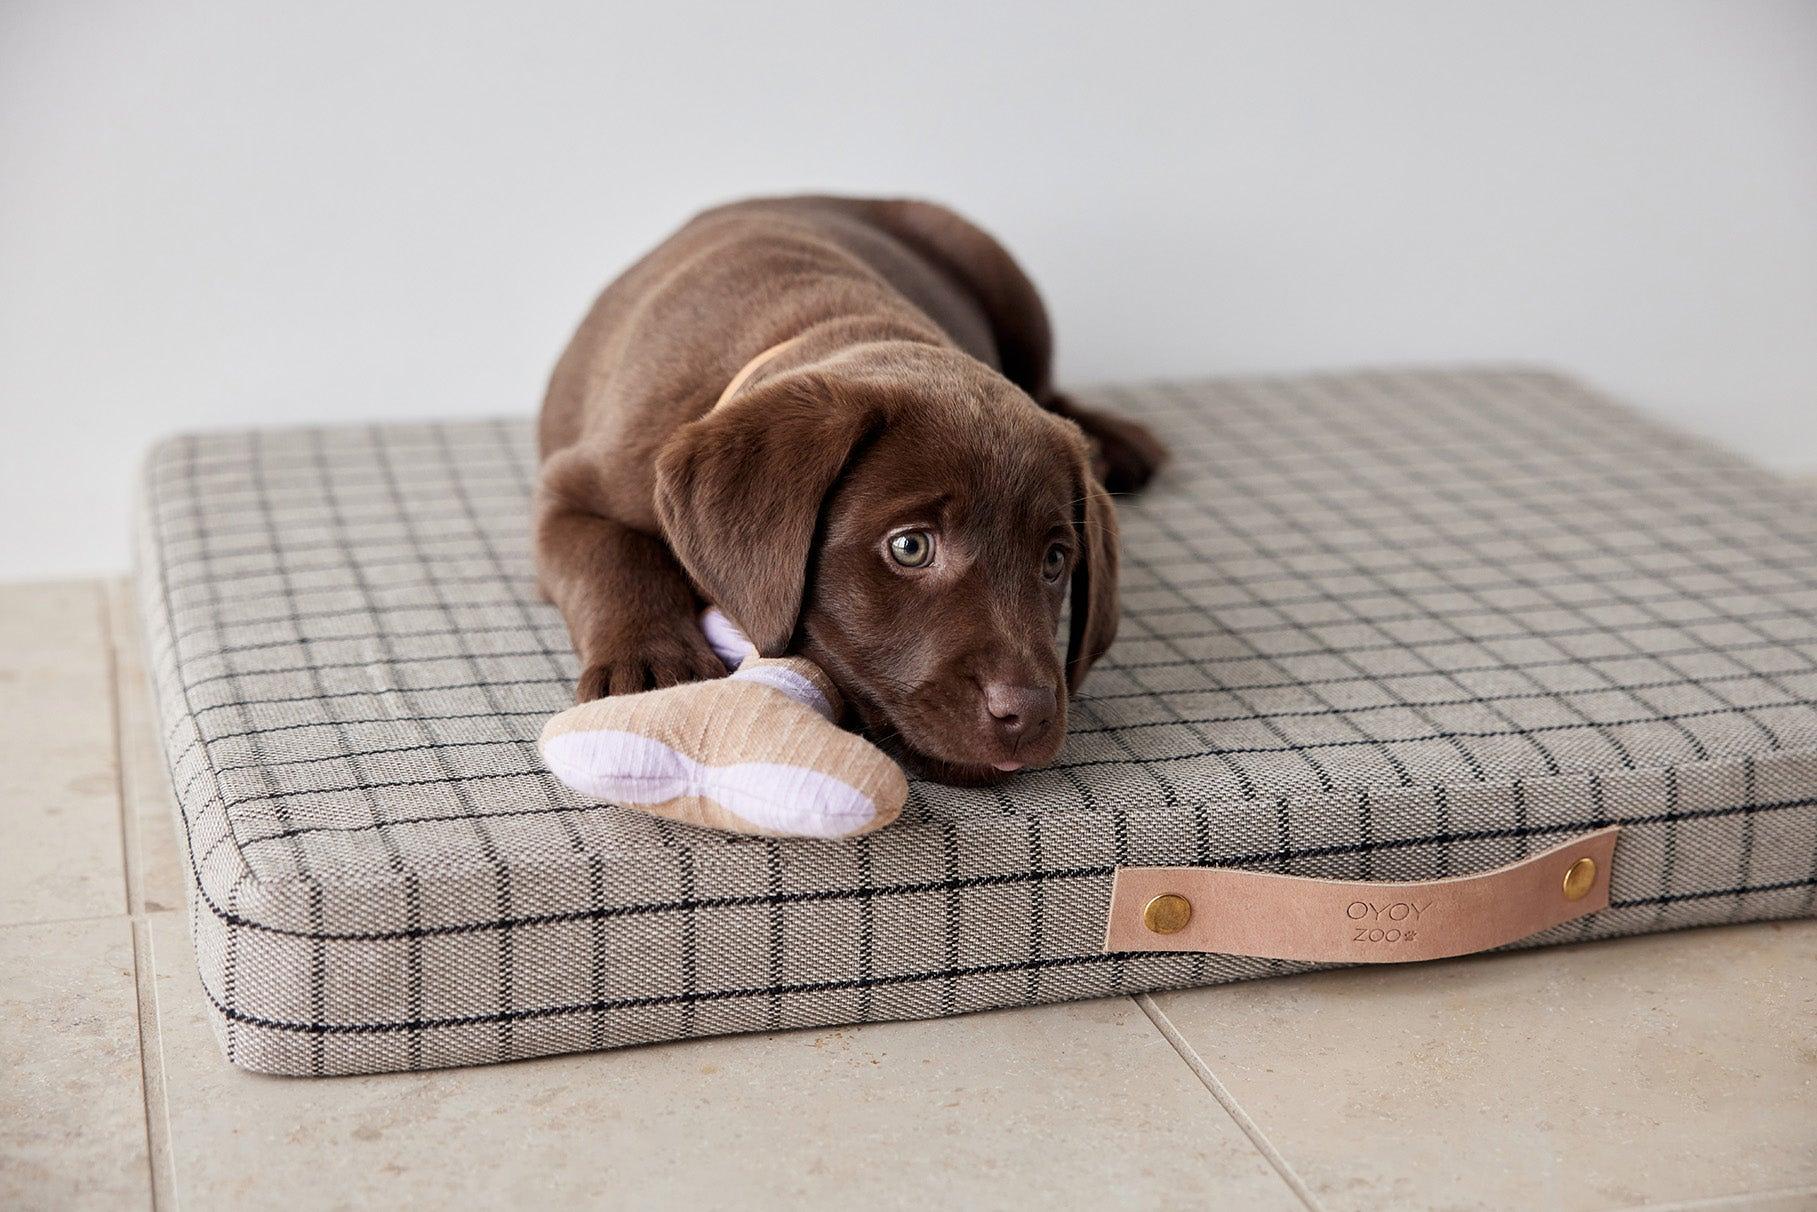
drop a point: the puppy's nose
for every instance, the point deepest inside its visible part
(1019, 711)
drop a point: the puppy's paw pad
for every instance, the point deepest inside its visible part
(661, 660)
(596, 682)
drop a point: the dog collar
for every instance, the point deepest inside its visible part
(752, 367)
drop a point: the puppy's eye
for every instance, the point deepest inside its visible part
(1054, 562)
(912, 548)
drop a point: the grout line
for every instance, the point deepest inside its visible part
(26, 923)
(110, 662)
(129, 850)
(1228, 1101)
(151, 1069)
(154, 1108)
(1714, 1203)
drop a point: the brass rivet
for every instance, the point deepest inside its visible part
(1579, 879)
(1167, 913)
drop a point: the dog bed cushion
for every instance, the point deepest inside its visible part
(1377, 626)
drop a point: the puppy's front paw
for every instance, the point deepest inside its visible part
(653, 660)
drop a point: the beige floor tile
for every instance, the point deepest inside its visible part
(72, 1108)
(59, 794)
(1084, 1105)
(1670, 1067)
(154, 867)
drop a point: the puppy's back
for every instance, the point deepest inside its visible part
(731, 281)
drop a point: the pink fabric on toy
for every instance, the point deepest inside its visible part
(727, 641)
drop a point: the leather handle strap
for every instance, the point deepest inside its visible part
(1290, 917)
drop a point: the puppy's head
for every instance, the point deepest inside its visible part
(913, 523)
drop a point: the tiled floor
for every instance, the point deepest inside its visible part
(1670, 1071)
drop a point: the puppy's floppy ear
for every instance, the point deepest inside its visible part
(739, 494)
(1094, 609)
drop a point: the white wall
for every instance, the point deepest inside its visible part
(232, 214)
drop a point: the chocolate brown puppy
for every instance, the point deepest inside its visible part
(834, 419)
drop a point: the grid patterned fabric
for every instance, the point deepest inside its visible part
(1376, 626)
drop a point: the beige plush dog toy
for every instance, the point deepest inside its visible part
(757, 752)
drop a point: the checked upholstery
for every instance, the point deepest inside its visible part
(1376, 625)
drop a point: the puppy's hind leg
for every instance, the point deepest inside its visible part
(629, 607)
(1125, 454)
